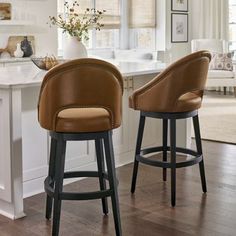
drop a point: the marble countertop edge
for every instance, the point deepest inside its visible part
(29, 75)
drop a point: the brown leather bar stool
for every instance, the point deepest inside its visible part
(81, 100)
(174, 94)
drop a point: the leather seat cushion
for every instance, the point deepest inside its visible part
(187, 102)
(220, 74)
(74, 120)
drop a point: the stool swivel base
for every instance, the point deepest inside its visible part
(197, 155)
(54, 182)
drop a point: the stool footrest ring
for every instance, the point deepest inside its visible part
(48, 183)
(79, 174)
(197, 157)
(86, 195)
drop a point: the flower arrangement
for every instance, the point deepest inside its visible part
(75, 24)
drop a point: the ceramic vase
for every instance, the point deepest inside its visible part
(74, 49)
(18, 53)
(26, 47)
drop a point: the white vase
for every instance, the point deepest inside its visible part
(74, 49)
(18, 53)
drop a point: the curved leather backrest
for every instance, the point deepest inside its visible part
(80, 83)
(179, 88)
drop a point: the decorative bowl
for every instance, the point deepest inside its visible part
(46, 63)
(39, 62)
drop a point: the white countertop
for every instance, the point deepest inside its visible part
(14, 59)
(30, 75)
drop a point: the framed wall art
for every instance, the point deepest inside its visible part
(5, 11)
(179, 28)
(179, 5)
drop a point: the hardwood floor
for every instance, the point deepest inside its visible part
(148, 212)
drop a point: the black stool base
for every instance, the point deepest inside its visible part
(54, 182)
(164, 164)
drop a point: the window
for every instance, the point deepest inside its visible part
(142, 23)
(142, 14)
(139, 24)
(108, 37)
(232, 27)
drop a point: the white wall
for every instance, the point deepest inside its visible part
(161, 25)
(173, 51)
(176, 50)
(196, 13)
(36, 11)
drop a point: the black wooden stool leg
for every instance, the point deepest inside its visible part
(164, 140)
(101, 171)
(59, 174)
(199, 150)
(173, 160)
(137, 151)
(112, 181)
(51, 174)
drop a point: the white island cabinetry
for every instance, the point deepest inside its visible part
(25, 145)
(124, 138)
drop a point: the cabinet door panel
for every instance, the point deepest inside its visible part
(120, 140)
(121, 135)
(34, 141)
(79, 153)
(152, 131)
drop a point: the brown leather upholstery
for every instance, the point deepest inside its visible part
(179, 88)
(83, 95)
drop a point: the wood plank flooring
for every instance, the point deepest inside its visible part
(148, 212)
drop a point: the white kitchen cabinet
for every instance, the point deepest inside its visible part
(24, 141)
(121, 135)
(153, 127)
(34, 143)
(79, 154)
(124, 138)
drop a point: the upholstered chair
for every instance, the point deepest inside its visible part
(81, 100)
(174, 94)
(216, 78)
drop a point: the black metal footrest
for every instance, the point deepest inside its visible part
(197, 158)
(48, 183)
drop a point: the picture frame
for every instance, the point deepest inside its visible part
(179, 27)
(179, 5)
(5, 11)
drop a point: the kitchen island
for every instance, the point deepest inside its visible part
(24, 146)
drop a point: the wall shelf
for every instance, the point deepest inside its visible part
(15, 22)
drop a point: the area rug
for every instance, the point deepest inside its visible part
(218, 118)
